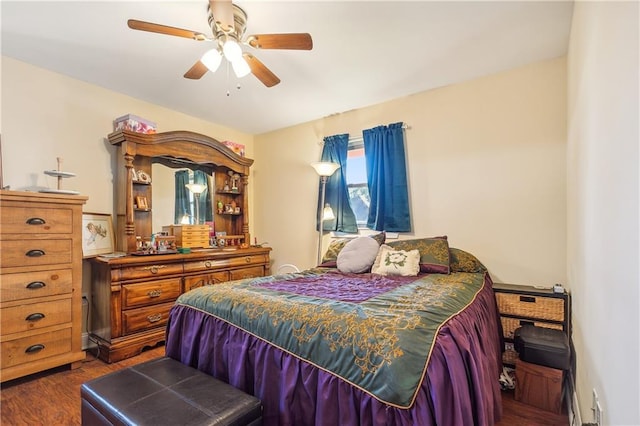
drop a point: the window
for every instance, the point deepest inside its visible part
(357, 182)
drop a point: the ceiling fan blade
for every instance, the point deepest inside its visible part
(196, 71)
(222, 11)
(295, 41)
(164, 29)
(261, 72)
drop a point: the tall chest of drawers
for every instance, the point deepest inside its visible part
(523, 304)
(40, 282)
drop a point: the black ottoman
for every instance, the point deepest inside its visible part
(164, 391)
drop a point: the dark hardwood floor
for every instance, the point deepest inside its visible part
(53, 397)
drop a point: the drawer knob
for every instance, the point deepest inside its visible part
(35, 221)
(37, 316)
(34, 348)
(154, 317)
(35, 253)
(35, 285)
(207, 264)
(247, 259)
(154, 293)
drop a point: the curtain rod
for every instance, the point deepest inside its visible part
(352, 139)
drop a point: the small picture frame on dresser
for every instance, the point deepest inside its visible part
(97, 234)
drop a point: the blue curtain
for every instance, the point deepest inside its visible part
(387, 178)
(204, 206)
(182, 205)
(337, 194)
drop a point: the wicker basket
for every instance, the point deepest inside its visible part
(544, 308)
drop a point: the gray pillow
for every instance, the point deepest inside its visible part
(358, 255)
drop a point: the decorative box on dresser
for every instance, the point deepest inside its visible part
(132, 295)
(40, 282)
(523, 304)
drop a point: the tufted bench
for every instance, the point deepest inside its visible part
(164, 391)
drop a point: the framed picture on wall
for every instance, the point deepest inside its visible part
(97, 234)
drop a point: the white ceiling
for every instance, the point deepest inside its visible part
(365, 52)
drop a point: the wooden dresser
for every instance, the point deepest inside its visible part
(132, 295)
(40, 282)
(524, 304)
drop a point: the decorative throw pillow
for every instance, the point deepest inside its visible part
(331, 255)
(462, 261)
(396, 262)
(358, 255)
(434, 253)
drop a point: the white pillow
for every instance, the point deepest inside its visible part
(358, 255)
(396, 262)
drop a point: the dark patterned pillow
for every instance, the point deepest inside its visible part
(462, 261)
(434, 253)
(330, 258)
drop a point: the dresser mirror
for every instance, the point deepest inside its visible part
(145, 206)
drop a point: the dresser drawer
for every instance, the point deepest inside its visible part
(143, 294)
(36, 252)
(253, 272)
(35, 316)
(35, 347)
(225, 263)
(205, 279)
(35, 219)
(147, 271)
(538, 307)
(140, 319)
(27, 285)
(509, 325)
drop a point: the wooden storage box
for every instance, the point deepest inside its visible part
(189, 235)
(539, 386)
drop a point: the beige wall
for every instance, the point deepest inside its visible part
(603, 255)
(47, 115)
(486, 167)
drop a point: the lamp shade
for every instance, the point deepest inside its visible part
(232, 50)
(211, 59)
(196, 188)
(325, 168)
(240, 67)
(327, 213)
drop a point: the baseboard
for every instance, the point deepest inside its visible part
(573, 406)
(86, 342)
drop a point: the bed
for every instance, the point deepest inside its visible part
(326, 347)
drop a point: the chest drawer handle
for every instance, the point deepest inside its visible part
(247, 259)
(154, 317)
(34, 349)
(528, 299)
(154, 268)
(35, 285)
(34, 317)
(35, 253)
(35, 221)
(207, 264)
(154, 293)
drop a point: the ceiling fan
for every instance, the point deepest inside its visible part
(228, 23)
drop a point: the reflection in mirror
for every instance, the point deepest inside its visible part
(164, 195)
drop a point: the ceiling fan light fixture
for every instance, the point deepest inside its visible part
(240, 67)
(211, 59)
(232, 50)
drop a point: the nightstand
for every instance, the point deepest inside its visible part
(523, 304)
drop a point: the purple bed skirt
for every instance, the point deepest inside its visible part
(460, 388)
